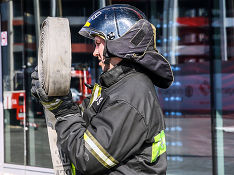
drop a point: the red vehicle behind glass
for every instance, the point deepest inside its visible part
(15, 100)
(80, 77)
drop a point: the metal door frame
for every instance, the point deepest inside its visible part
(1, 105)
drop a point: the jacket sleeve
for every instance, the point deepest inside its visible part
(113, 135)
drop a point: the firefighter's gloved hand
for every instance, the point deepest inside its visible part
(35, 81)
(37, 91)
(59, 106)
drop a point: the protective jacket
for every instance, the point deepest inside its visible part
(122, 127)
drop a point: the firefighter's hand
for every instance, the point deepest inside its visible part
(35, 81)
(59, 106)
(37, 91)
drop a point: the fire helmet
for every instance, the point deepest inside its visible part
(111, 22)
(129, 35)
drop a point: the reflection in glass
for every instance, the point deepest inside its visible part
(228, 90)
(183, 37)
(13, 94)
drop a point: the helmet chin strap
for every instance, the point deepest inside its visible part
(107, 61)
(107, 64)
(107, 58)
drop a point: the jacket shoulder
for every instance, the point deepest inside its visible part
(135, 87)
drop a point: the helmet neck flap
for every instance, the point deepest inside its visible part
(138, 46)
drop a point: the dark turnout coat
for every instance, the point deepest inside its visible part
(121, 130)
(117, 133)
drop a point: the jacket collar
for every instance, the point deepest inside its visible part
(115, 74)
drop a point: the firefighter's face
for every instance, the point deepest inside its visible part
(98, 52)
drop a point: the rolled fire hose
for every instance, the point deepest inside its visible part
(54, 71)
(54, 56)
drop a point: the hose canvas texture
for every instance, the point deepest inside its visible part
(54, 74)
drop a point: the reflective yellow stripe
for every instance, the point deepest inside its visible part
(73, 169)
(87, 24)
(98, 151)
(97, 89)
(159, 146)
(52, 104)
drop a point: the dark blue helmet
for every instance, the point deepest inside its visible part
(111, 22)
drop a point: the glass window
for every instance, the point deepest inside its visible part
(13, 91)
(226, 128)
(25, 127)
(196, 37)
(186, 104)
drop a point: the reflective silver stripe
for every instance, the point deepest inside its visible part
(98, 151)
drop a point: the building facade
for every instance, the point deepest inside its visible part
(197, 38)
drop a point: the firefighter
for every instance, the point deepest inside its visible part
(120, 129)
